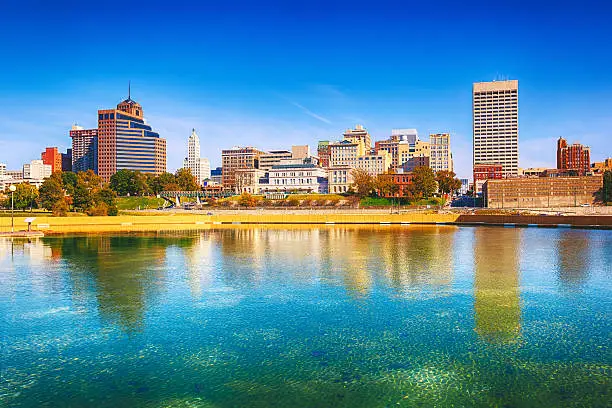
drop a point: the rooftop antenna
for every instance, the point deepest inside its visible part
(129, 90)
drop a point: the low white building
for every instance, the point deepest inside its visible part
(294, 177)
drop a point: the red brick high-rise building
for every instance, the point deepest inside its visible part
(575, 157)
(53, 158)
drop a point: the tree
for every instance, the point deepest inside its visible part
(60, 208)
(362, 182)
(90, 180)
(107, 197)
(25, 196)
(447, 182)
(82, 198)
(186, 180)
(69, 181)
(247, 200)
(128, 182)
(383, 184)
(424, 181)
(50, 192)
(122, 182)
(606, 189)
(163, 182)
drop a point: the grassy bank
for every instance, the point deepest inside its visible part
(139, 203)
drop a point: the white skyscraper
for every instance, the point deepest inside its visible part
(495, 110)
(200, 167)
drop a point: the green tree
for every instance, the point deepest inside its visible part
(82, 198)
(107, 197)
(69, 181)
(127, 182)
(122, 182)
(424, 181)
(363, 183)
(447, 182)
(50, 192)
(25, 196)
(186, 180)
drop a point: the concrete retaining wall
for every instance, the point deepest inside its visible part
(196, 222)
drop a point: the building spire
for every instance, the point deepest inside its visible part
(129, 90)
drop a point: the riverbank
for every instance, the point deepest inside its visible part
(187, 221)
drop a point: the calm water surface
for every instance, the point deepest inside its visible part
(356, 317)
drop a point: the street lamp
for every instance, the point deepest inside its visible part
(12, 188)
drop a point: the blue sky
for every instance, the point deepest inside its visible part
(273, 74)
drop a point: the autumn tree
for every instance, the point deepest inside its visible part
(186, 180)
(424, 181)
(50, 192)
(447, 182)
(363, 183)
(247, 200)
(384, 184)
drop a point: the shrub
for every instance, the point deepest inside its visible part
(293, 202)
(100, 209)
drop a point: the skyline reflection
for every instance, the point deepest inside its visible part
(497, 304)
(125, 274)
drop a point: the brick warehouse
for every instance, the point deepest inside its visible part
(541, 192)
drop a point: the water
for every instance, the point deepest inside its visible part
(333, 316)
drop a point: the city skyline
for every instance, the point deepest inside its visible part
(249, 77)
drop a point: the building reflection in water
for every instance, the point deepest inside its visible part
(200, 264)
(121, 272)
(41, 276)
(419, 255)
(573, 254)
(497, 311)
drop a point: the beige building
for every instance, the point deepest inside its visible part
(374, 164)
(602, 167)
(408, 151)
(238, 158)
(273, 158)
(361, 137)
(541, 192)
(340, 179)
(343, 153)
(495, 124)
(440, 155)
(249, 181)
(300, 151)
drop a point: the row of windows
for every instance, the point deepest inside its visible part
(293, 181)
